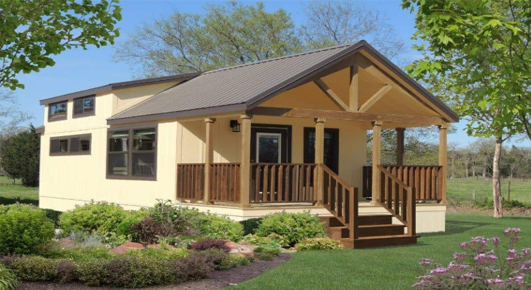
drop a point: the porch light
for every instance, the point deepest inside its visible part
(235, 125)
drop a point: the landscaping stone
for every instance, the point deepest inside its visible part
(131, 245)
(247, 250)
(158, 246)
(66, 243)
(119, 250)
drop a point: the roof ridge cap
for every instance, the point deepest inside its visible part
(280, 58)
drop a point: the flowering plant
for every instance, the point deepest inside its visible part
(483, 264)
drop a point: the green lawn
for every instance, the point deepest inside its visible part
(462, 188)
(10, 193)
(383, 268)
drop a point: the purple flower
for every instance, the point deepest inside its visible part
(459, 256)
(463, 245)
(526, 251)
(495, 241)
(485, 258)
(426, 262)
(511, 232)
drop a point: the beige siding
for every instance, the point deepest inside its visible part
(70, 180)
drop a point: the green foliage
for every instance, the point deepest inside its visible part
(35, 268)
(274, 240)
(250, 225)
(138, 272)
(228, 34)
(266, 249)
(218, 227)
(134, 216)
(34, 31)
(78, 254)
(25, 229)
(294, 227)
(192, 267)
(8, 279)
(223, 260)
(318, 244)
(98, 217)
(53, 215)
(20, 153)
(488, 203)
(94, 272)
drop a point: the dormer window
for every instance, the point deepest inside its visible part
(57, 111)
(84, 106)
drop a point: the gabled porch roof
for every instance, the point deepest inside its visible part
(247, 86)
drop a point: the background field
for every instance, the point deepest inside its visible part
(461, 189)
(11, 193)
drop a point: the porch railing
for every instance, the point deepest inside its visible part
(398, 198)
(427, 180)
(283, 182)
(225, 182)
(190, 181)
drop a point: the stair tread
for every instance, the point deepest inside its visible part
(386, 237)
(375, 215)
(381, 226)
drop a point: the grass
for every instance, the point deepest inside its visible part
(383, 268)
(461, 189)
(11, 193)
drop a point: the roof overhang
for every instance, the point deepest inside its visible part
(118, 86)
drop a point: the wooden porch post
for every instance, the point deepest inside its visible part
(245, 163)
(400, 146)
(319, 157)
(376, 140)
(209, 156)
(443, 160)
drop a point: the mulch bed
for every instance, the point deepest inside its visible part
(218, 280)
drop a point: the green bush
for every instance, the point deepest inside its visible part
(24, 229)
(250, 225)
(139, 271)
(318, 244)
(489, 204)
(133, 217)
(293, 227)
(218, 227)
(8, 279)
(94, 272)
(99, 217)
(53, 215)
(266, 252)
(35, 268)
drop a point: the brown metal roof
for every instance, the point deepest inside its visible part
(246, 86)
(120, 85)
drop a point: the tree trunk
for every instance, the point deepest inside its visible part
(474, 171)
(485, 168)
(496, 185)
(466, 168)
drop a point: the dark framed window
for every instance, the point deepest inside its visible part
(132, 153)
(331, 147)
(71, 145)
(57, 111)
(84, 106)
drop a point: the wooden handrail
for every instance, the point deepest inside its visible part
(341, 200)
(398, 199)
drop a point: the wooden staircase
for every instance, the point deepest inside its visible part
(369, 231)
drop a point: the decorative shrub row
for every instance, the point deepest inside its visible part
(318, 244)
(24, 229)
(136, 269)
(291, 228)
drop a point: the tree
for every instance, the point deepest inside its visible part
(336, 22)
(229, 34)
(477, 58)
(20, 156)
(34, 30)
(11, 117)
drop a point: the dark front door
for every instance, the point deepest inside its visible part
(270, 143)
(331, 147)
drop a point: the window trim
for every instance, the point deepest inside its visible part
(129, 152)
(69, 138)
(59, 117)
(81, 115)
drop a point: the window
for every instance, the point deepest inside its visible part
(84, 106)
(132, 153)
(71, 145)
(57, 111)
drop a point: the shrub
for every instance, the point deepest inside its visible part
(223, 260)
(133, 217)
(66, 271)
(192, 267)
(35, 268)
(269, 250)
(8, 279)
(210, 244)
(25, 228)
(149, 230)
(99, 217)
(138, 272)
(318, 244)
(489, 204)
(250, 225)
(78, 254)
(482, 265)
(94, 272)
(294, 227)
(216, 227)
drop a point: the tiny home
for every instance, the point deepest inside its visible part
(284, 134)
